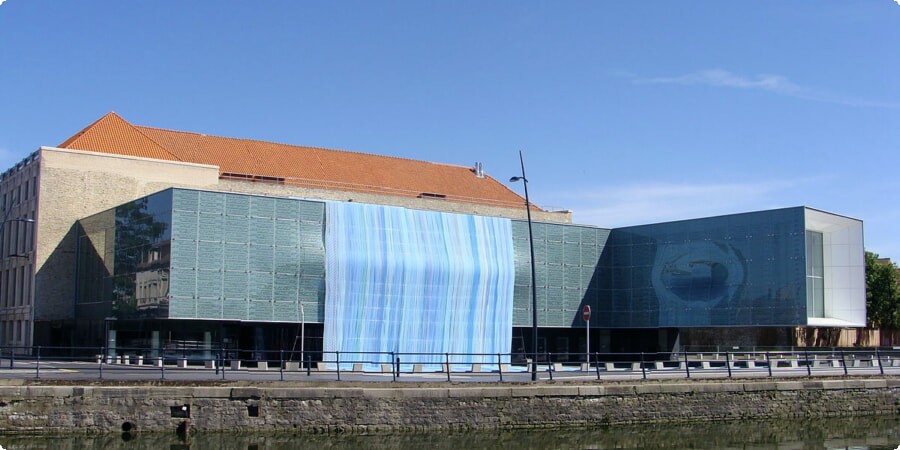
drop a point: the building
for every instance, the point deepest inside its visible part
(158, 238)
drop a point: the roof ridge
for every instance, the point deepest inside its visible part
(77, 135)
(137, 128)
(355, 152)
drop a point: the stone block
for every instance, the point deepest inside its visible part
(788, 385)
(465, 393)
(647, 389)
(235, 364)
(591, 391)
(292, 365)
(620, 390)
(674, 388)
(760, 386)
(246, 392)
(875, 384)
(262, 365)
(209, 364)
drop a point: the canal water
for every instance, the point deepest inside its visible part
(877, 432)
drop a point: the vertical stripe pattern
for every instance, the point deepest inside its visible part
(409, 281)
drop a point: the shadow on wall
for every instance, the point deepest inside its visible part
(54, 293)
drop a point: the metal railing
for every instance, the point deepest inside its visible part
(281, 365)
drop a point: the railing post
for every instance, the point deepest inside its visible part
(728, 362)
(281, 364)
(37, 366)
(549, 366)
(769, 364)
(500, 366)
(337, 358)
(878, 358)
(12, 358)
(643, 368)
(597, 359)
(308, 363)
(447, 360)
(687, 365)
(808, 362)
(396, 367)
(844, 362)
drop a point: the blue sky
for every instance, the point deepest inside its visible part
(627, 112)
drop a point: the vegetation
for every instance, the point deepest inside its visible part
(882, 293)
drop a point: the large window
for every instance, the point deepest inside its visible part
(815, 275)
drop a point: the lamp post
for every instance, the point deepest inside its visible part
(534, 325)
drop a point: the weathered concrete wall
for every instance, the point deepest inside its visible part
(333, 409)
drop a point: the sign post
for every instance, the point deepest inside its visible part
(586, 315)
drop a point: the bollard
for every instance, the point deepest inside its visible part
(140, 360)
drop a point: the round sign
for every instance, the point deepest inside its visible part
(586, 313)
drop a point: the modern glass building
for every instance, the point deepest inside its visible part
(205, 270)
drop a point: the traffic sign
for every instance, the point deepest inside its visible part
(586, 313)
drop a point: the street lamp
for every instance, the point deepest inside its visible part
(534, 326)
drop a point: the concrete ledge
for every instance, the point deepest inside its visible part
(676, 388)
(591, 391)
(761, 386)
(620, 390)
(788, 385)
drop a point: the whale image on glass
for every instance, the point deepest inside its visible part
(692, 279)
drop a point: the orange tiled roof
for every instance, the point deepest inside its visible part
(295, 165)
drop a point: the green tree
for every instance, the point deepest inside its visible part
(882, 293)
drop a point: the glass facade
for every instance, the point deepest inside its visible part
(187, 254)
(815, 275)
(123, 260)
(566, 259)
(743, 269)
(250, 258)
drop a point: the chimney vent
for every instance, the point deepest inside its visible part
(479, 170)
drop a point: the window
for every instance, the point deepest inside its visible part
(815, 275)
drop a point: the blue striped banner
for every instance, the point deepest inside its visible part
(409, 281)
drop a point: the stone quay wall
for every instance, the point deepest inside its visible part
(334, 409)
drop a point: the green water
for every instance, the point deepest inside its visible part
(880, 432)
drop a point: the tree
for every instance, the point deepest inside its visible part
(882, 293)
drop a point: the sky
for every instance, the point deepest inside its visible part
(626, 112)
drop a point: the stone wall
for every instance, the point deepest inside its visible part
(338, 409)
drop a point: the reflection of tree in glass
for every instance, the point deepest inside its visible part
(137, 234)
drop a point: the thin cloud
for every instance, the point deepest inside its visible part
(662, 202)
(775, 84)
